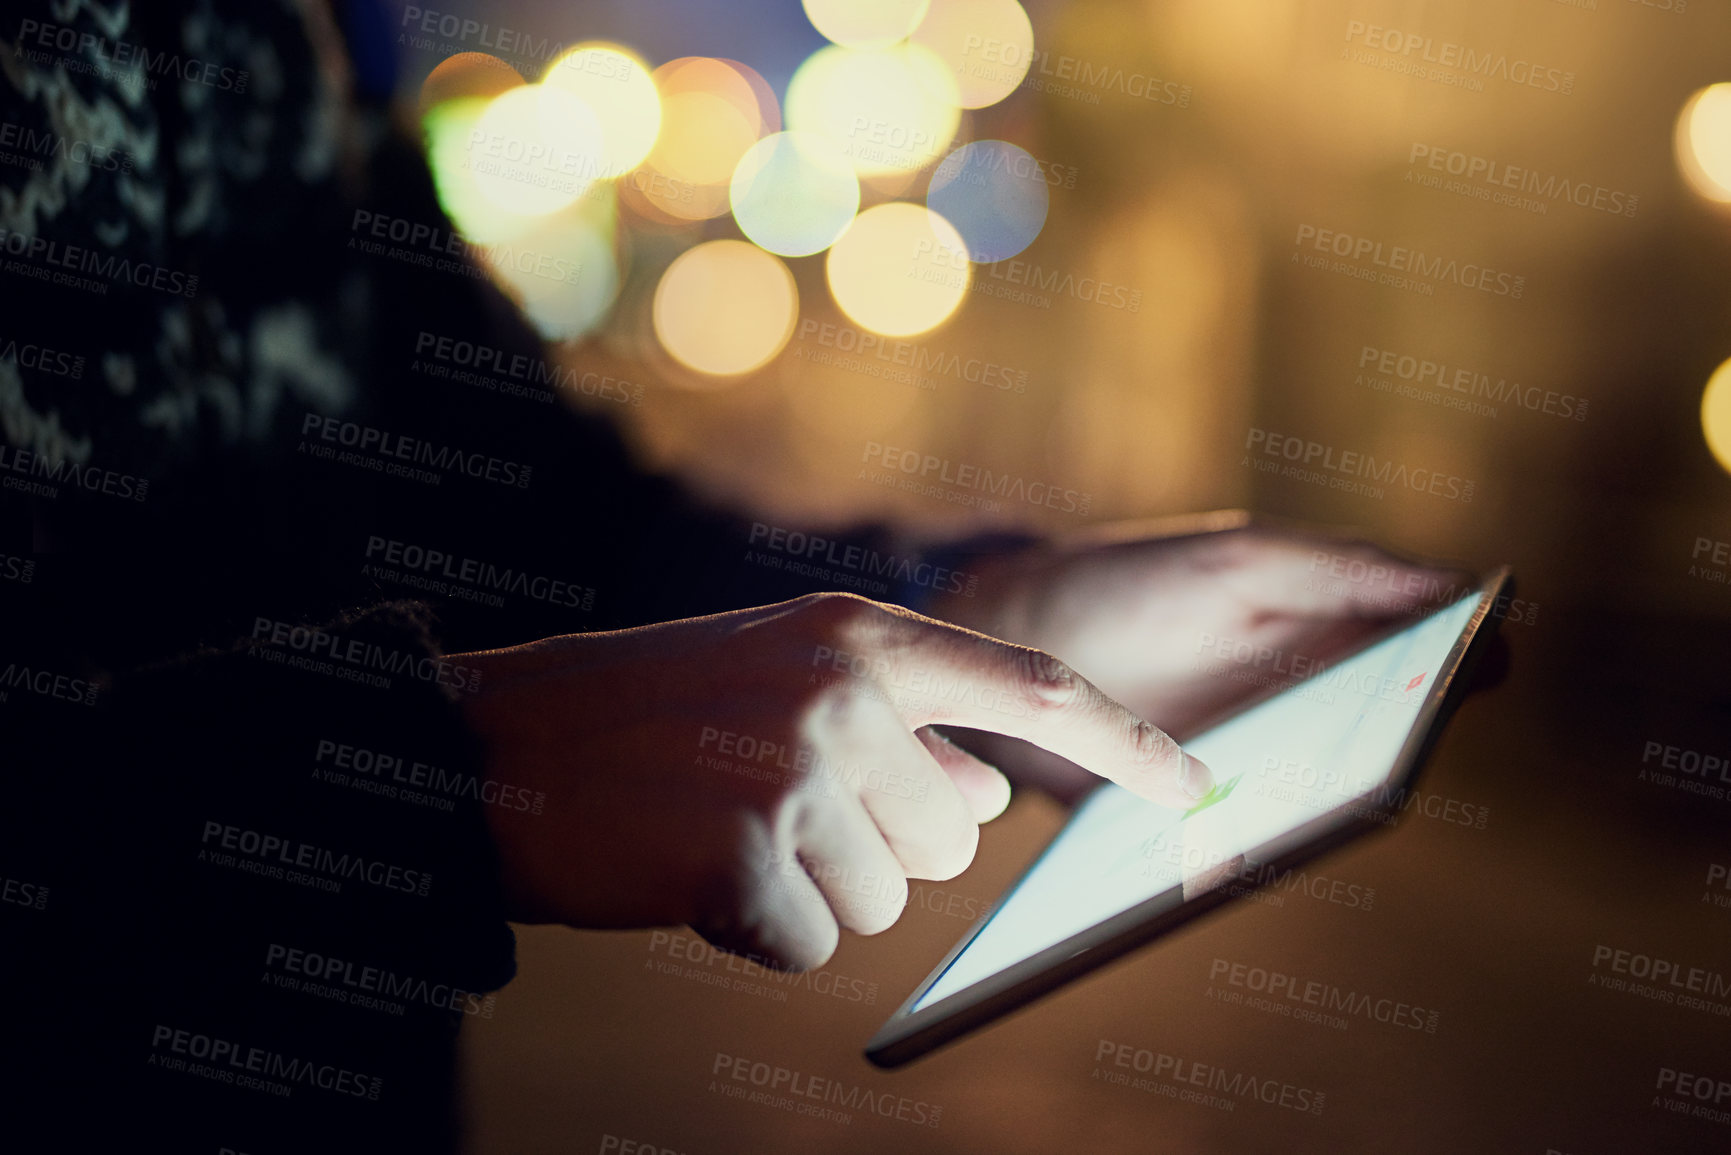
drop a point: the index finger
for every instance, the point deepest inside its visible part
(939, 674)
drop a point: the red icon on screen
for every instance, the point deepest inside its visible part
(1412, 685)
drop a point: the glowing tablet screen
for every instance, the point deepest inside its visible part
(1327, 743)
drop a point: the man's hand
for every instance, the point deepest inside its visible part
(769, 776)
(1184, 622)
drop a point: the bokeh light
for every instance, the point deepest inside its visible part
(767, 105)
(890, 110)
(995, 195)
(899, 270)
(564, 272)
(467, 74)
(794, 193)
(620, 93)
(446, 129)
(865, 23)
(710, 115)
(534, 150)
(725, 308)
(987, 45)
(1716, 415)
(1703, 142)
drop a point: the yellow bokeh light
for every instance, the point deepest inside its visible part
(890, 110)
(703, 138)
(899, 270)
(467, 74)
(987, 45)
(794, 193)
(725, 308)
(710, 116)
(619, 91)
(767, 106)
(1716, 415)
(533, 150)
(865, 23)
(1703, 142)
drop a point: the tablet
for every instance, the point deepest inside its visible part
(1325, 760)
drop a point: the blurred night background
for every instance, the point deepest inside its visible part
(1167, 196)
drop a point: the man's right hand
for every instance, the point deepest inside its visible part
(769, 776)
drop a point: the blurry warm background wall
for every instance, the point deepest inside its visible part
(1265, 120)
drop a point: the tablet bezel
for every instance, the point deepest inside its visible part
(908, 1034)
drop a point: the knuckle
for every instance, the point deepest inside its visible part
(1151, 746)
(1052, 684)
(837, 612)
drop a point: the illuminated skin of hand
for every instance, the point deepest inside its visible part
(1141, 610)
(662, 806)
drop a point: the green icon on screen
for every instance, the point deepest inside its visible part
(1221, 792)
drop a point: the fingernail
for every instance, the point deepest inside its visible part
(1198, 779)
